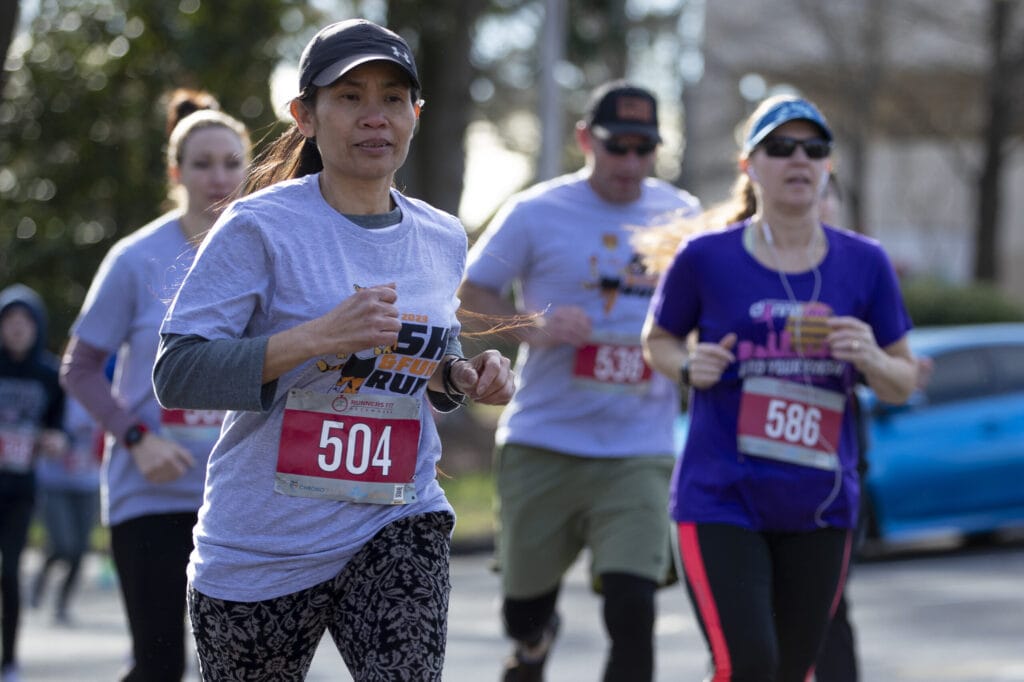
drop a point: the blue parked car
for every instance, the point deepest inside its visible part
(951, 460)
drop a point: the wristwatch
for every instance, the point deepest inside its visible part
(684, 373)
(134, 434)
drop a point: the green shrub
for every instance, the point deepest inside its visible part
(473, 497)
(935, 302)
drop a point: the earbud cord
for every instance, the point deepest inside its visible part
(766, 230)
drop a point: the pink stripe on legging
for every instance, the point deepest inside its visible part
(847, 548)
(696, 575)
(842, 576)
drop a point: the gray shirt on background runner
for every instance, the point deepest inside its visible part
(121, 315)
(560, 244)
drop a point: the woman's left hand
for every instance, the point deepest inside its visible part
(486, 378)
(853, 341)
(891, 372)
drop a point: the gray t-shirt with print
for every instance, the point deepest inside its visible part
(122, 314)
(559, 244)
(276, 259)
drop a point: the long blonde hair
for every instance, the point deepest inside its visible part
(657, 245)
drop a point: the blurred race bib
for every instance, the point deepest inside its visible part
(17, 445)
(191, 426)
(790, 422)
(612, 364)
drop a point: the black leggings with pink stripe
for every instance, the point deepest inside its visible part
(763, 599)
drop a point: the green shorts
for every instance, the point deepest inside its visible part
(552, 505)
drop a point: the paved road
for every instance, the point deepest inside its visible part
(932, 617)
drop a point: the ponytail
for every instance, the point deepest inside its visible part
(657, 245)
(291, 155)
(184, 101)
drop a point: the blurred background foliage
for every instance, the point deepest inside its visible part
(82, 117)
(931, 301)
(82, 129)
(82, 122)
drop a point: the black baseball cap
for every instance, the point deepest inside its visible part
(618, 108)
(342, 46)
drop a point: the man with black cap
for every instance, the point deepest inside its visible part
(585, 448)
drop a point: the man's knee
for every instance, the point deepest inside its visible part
(525, 619)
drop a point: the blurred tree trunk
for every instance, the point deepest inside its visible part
(861, 101)
(687, 177)
(860, 63)
(1000, 115)
(441, 36)
(83, 136)
(551, 110)
(8, 26)
(597, 38)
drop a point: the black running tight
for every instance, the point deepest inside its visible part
(763, 600)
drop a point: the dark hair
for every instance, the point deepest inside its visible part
(291, 155)
(184, 101)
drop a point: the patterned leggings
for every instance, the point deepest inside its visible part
(387, 612)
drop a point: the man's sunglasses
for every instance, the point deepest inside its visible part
(782, 147)
(617, 149)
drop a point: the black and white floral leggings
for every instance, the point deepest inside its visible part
(387, 612)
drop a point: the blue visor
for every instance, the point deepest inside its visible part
(788, 110)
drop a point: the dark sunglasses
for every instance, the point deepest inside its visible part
(613, 147)
(782, 147)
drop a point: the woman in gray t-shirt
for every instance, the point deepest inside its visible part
(321, 313)
(155, 459)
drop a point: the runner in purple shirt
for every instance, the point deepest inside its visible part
(784, 315)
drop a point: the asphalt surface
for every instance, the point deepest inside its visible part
(934, 616)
